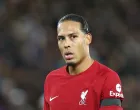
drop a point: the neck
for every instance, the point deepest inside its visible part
(81, 67)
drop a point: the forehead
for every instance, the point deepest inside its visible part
(68, 27)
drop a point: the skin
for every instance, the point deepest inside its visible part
(72, 39)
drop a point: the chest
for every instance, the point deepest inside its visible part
(75, 93)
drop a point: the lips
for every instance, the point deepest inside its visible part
(68, 55)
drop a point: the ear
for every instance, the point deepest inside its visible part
(88, 38)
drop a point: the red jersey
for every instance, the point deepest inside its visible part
(84, 91)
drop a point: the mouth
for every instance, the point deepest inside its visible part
(68, 55)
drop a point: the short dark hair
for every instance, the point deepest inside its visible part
(76, 18)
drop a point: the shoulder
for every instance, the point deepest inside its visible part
(55, 73)
(107, 72)
(111, 83)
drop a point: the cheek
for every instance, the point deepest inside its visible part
(80, 49)
(60, 47)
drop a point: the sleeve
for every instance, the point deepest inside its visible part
(112, 94)
(112, 87)
(46, 105)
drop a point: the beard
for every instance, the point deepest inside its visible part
(70, 64)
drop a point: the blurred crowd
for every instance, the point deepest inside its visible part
(28, 46)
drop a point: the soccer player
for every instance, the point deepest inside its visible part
(83, 83)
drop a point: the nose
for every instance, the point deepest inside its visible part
(67, 43)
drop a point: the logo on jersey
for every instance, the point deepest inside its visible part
(118, 87)
(83, 98)
(52, 98)
(118, 93)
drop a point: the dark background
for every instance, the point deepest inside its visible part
(28, 46)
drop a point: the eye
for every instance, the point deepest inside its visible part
(60, 38)
(73, 36)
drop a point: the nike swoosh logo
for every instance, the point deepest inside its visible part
(53, 98)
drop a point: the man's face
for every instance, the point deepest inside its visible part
(71, 42)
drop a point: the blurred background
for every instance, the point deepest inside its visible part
(28, 46)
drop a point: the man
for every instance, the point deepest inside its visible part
(84, 83)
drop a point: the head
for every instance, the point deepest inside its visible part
(73, 38)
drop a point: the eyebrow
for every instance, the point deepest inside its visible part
(67, 35)
(71, 34)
